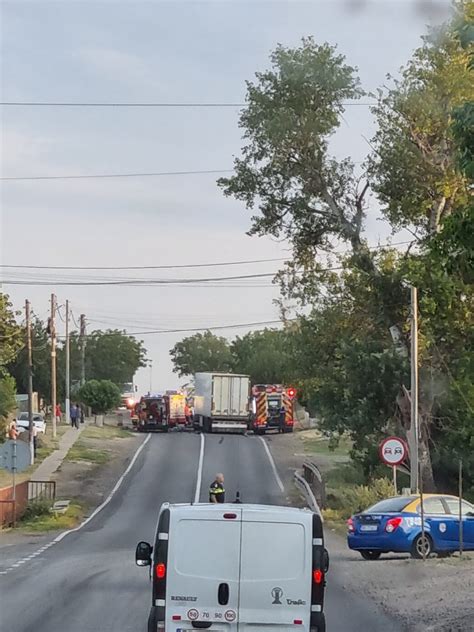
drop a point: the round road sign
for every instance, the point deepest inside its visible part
(230, 615)
(193, 614)
(15, 455)
(393, 451)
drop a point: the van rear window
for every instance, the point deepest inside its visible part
(207, 549)
(273, 551)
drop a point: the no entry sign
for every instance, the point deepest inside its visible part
(393, 451)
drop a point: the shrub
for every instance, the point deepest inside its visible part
(359, 497)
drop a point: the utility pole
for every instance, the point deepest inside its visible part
(29, 373)
(68, 363)
(415, 470)
(82, 337)
(52, 328)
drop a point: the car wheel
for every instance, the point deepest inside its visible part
(370, 555)
(421, 546)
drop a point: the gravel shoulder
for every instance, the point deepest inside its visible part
(436, 595)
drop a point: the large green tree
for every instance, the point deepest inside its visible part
(201, 352)
(264, 355)
(287, 177)
(11, 340)
(112, 355)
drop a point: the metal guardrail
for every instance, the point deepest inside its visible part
(314, 478)
(41, 490)
(307, 492)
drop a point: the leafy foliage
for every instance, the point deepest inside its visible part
(264, 355)
(100, 395)
(201, 352)
(113, 355)
(7, 402)
(11, 336)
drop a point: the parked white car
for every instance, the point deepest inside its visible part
(23, 422)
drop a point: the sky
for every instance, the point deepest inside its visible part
(173, 52)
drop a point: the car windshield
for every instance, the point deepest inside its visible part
(23, 416)
(390, 505)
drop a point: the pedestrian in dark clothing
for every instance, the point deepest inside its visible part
(81, 413)
(74, 414)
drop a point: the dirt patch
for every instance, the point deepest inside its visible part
(94, 464)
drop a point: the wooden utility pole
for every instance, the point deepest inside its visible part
(29, 374)
(82, 337)
(68, 363)
(52, 328)
(415, 470)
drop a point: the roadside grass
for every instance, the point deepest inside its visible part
(40, 518)
(105, 432)
(81, 451)
(327, 447)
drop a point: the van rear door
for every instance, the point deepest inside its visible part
(203, 563)
(275, 576)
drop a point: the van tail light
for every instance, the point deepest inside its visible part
(160, 570)
(350, 525)
(393, 524)
(317, 575)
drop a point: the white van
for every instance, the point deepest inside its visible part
(236, 568)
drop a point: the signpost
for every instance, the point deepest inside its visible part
(393, 451)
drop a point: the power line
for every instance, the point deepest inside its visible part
(161, 267)
(197, 329)
(76, 104)
(180, 266)
(118, 175)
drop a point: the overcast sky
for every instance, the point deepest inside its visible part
(163, 52)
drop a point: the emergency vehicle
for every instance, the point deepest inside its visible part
(272, 408)
(236, 567)
(154, 414)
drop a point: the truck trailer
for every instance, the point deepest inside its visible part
(221, 402)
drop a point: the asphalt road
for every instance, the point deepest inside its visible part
(88, 581)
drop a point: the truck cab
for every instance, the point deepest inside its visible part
(272, 408)
(236, 567)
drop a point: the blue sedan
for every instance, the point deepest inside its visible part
(394, 525)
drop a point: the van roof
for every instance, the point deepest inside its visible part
(219, 507)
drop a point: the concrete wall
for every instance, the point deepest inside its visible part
(7, 506)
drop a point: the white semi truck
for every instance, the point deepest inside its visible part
(221, 402)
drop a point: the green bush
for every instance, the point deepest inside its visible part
(38, 508)
(353, 499)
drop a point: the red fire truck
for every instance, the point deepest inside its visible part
(272, 408)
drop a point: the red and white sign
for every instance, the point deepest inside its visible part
(193, 614)
(230, 615)
(393, 451)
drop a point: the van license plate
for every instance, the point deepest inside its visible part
(368, 527)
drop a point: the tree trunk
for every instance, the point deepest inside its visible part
(426, 466)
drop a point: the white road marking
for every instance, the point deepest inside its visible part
(197, 494)
(109, 497)
(272, 463)
(87, 520)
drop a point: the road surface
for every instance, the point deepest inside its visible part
(88, 582)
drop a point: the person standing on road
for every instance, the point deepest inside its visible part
(58, 413)
(74, 413)
(216, 490)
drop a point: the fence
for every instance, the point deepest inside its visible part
(41, 490)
